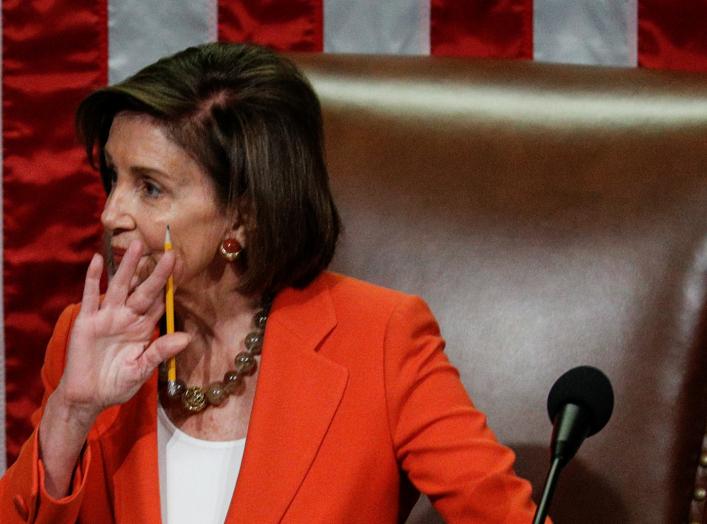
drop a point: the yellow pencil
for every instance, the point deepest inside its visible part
(169, 310)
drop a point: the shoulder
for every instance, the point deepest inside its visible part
(351, 294)
(374, 305)
(344, 289)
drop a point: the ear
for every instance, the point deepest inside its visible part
(238, 229)
(239, 233)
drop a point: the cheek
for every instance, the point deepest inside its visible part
(196, 262)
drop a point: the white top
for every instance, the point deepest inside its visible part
(197, 477)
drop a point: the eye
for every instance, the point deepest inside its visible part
(150, 189)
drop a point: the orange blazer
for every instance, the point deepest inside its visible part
(356, 409)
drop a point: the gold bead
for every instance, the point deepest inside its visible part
(700, 494)
(194, 399)
(703, 460)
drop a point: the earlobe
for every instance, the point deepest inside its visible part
(235, 239)
(231, 249)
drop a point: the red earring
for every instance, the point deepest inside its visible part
(231, 249)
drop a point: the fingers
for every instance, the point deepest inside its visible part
(91, 288)
(134, 282)
(155, 311)
(146, 293)
(163, 348)
(119, 287)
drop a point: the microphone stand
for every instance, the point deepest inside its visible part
(550, 482)
(570, 429)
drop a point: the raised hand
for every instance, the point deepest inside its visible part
(110, 352)
(109, 356)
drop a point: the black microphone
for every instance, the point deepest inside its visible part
(579, 404)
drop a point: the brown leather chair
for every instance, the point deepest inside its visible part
(552, 216)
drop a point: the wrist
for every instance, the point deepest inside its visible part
(63, 431)
(72, 412)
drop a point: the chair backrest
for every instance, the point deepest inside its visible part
(551, 216)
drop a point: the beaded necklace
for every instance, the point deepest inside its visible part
(194, 399)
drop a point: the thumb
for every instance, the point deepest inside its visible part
(165, 347)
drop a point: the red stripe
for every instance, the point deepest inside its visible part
(499, 29)
(284, 25)
(53, 53)
(672, 35)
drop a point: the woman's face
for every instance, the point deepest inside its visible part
(156, 183)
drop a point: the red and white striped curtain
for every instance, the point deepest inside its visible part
(56, 51)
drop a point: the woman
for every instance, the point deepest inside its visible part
(326, 398)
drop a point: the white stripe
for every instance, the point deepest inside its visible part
(586, 31)
(369, 26)
(141, 31)
(3, 436)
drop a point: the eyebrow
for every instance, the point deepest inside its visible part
(137, 170)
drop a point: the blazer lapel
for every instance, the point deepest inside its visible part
(136, 478)
(297, 395)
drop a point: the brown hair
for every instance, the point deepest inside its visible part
(252, 121)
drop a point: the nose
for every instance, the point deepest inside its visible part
(116, 215)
